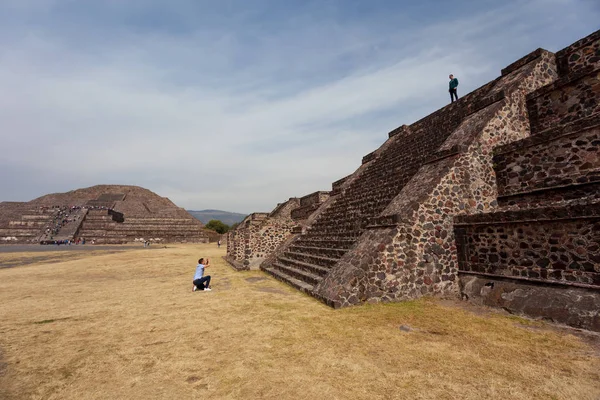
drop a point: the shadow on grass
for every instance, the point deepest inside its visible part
(49, 321)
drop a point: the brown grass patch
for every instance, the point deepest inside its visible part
(127, 325)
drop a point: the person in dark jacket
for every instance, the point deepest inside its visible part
(452, 88)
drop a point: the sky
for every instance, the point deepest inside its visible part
(240, 104)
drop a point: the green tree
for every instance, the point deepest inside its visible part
(217, 226)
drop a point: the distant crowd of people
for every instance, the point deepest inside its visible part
(64, 216)
(67, 242)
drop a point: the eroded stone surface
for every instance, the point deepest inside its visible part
(578, 307)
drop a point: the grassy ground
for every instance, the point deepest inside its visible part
(126, 326)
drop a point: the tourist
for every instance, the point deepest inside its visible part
(452, 88)
(219, 244)
(199, 277)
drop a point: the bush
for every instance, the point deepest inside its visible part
(217, 226)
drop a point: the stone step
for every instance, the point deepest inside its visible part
(331, 243)
(326, 251)
(588, 192)
(321, 260)
(332, 233)
(312, 268)
(290, 280)
(298, 273)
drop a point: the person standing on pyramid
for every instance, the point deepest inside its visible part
(199, 277)
(452, 88)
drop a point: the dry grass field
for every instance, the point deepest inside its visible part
(126, 325)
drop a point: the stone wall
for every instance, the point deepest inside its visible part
(337, 185)
(284, 210)
(309, 204)
(258, 237)
(540, 253)
(581, 55)
(259, 234)
(566, 156)
(554, 244)
(566, 100)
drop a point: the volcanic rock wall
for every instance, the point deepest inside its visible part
(259, 234)
(539, 254)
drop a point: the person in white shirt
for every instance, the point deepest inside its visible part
(201, 282)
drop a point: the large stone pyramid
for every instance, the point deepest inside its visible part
(103, 214)
(495, 198)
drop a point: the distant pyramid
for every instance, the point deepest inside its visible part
(104, 213)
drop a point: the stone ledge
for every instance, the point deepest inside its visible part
(579, 211)
(403, 129)
(453, 151)
(575, 306)
(479, 104)
(591, 38)
(573, 192)
(562, 56)
(281, 206)
(336, 186)
(550, 134)
(559, 83)
(533, 281)
(311, 196)
(369, 157)
(523, 60)
(238, 265)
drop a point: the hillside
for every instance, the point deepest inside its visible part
(226, 217)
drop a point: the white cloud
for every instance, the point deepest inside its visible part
(209, 122)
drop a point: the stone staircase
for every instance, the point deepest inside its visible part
(69, 230)
(64, 224)
(366, 194)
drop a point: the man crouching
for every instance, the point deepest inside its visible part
(199, 278)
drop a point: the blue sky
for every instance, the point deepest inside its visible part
(240, 104)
